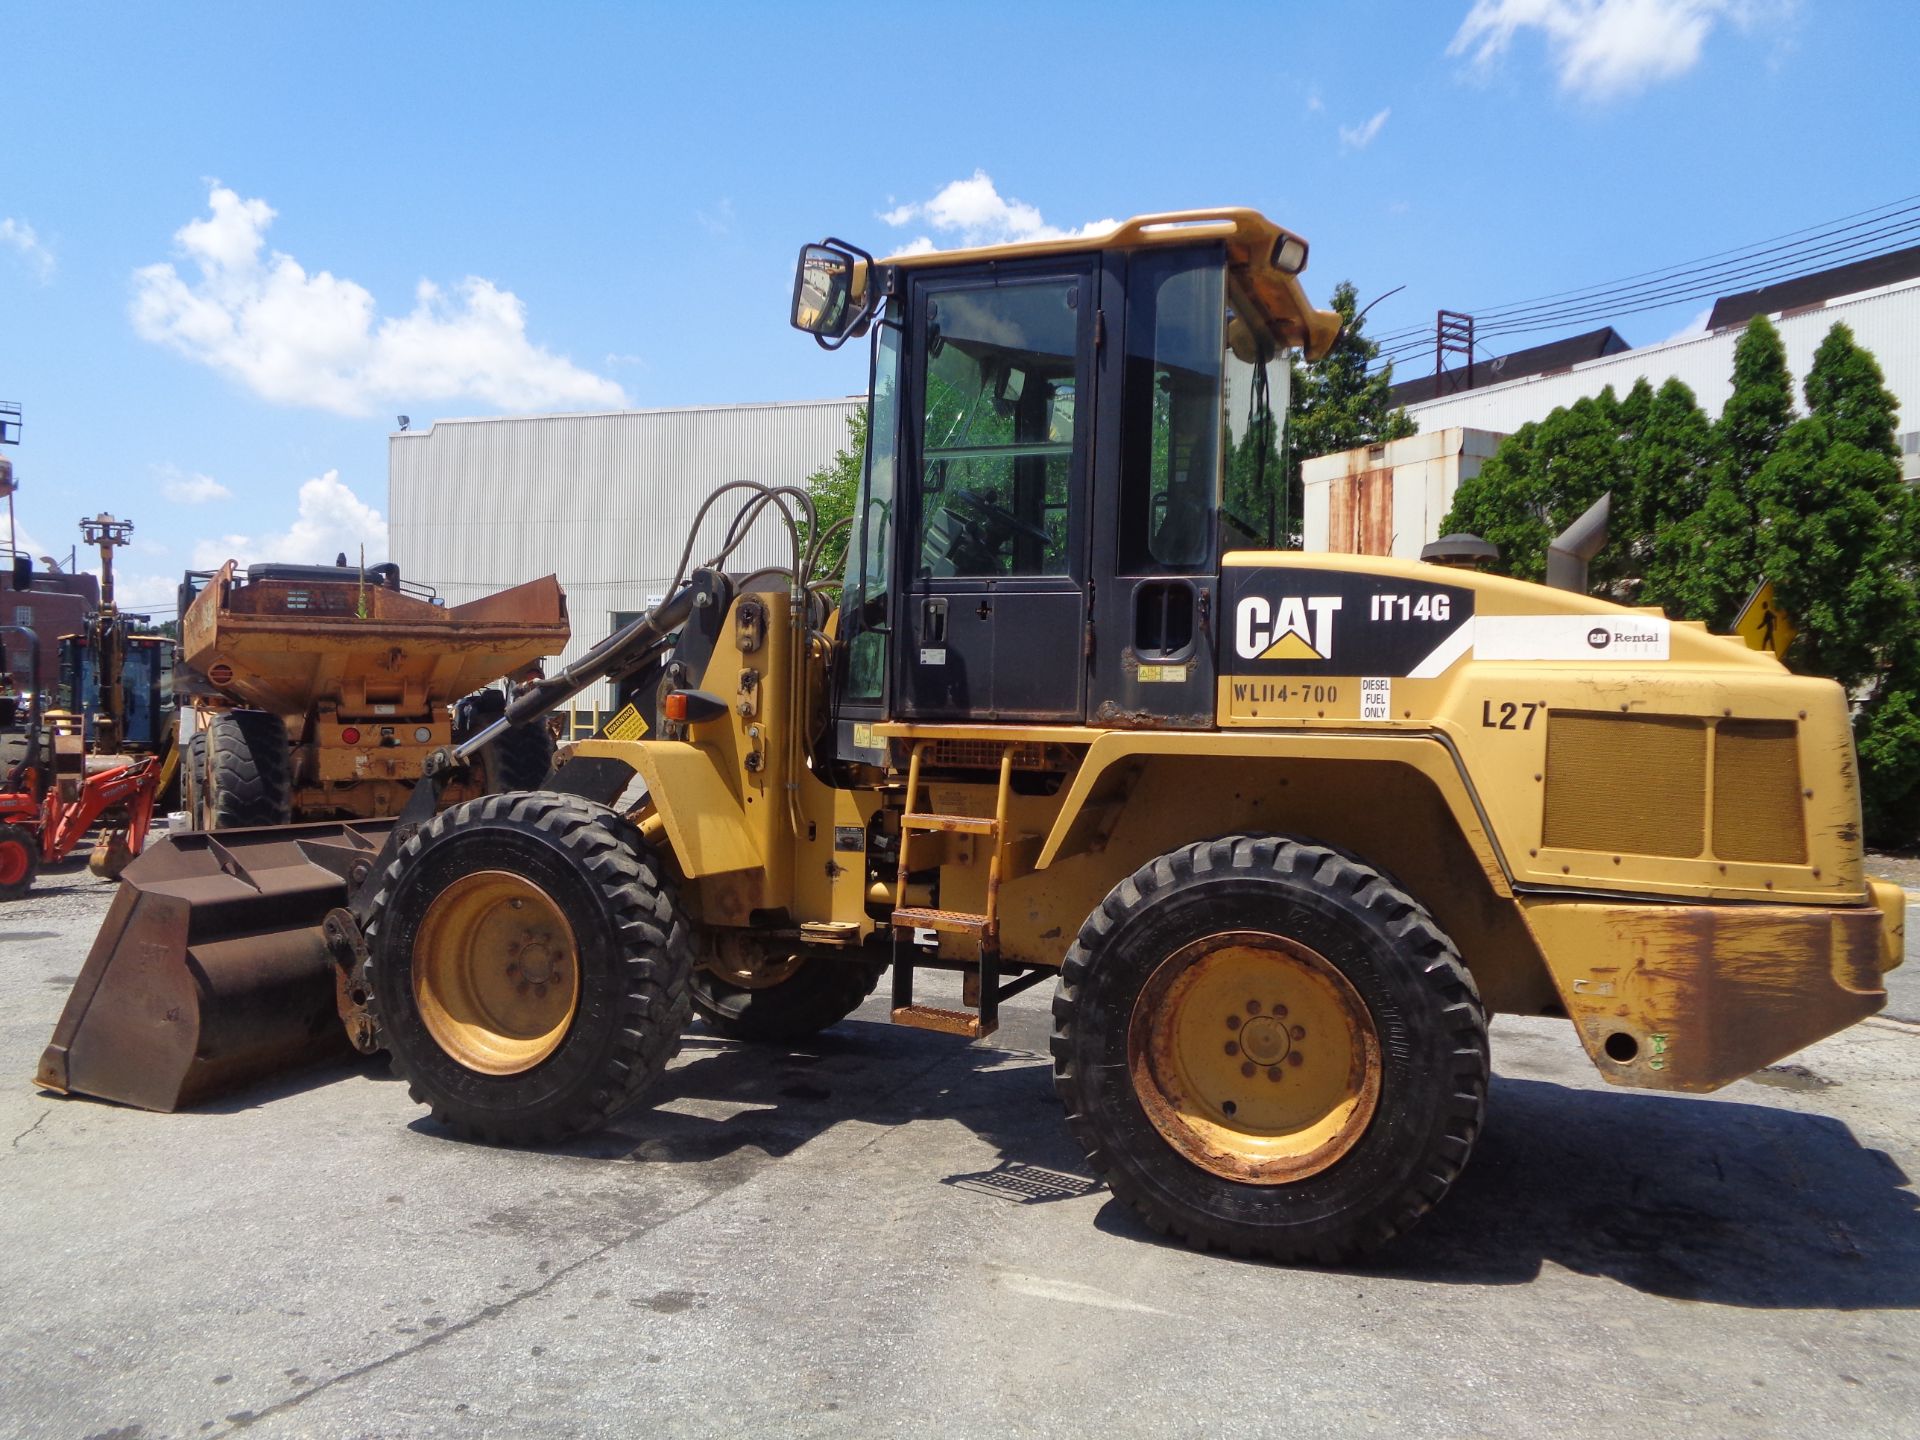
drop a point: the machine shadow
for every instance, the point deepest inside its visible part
(1720, 1201)
(1690, 1199)
(859, 1071)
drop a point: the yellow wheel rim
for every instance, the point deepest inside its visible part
(1254, 1057)
(496, 972)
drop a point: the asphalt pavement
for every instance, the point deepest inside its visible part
(890, 1233)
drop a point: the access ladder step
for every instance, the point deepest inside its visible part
(952, 922)
(947, 1022)
(952, 824)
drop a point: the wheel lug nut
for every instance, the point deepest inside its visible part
(1233, 1047)
(1295, 1058)
(1253, 1007)
(1233, 1022)
(1247, 1069)
(1274, 1073)
(539, 992)
(1280, 1010)
(1299, 1032)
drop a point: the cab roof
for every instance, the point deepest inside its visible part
(1251, 239)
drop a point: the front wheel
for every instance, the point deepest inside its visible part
(1267, 1047)
(528, 966)
(19, 859)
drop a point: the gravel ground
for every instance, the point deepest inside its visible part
(890, 1233)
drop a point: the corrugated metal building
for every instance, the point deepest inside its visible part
(1885, 321)
(603, 501)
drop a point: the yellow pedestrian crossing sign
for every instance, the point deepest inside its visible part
(1763, 624)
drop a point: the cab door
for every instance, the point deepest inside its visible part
(993, 608)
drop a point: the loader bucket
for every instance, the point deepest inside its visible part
(211, 971)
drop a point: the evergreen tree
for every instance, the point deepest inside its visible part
(1335, 405)
(1748, 431)
(1839, 535)
(1666, 496)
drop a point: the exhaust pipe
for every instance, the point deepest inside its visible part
(1570, 553)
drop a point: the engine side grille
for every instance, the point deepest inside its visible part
(1757, 812)
(1633, 784)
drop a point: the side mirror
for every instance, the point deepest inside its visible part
(829, 286)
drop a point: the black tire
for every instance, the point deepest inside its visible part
(1430, 1058)
(19, 861)
(822, 990)
(633, 953)
(522, 758)
(193, 779)
(249, 770)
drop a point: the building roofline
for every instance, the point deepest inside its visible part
(607, 414)
(1837, 303)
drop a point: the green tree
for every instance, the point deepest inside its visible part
(1336, 405)
(835, 488)
(1749, 430)
(1546, 474)
(1838, 536)
(1668, 489)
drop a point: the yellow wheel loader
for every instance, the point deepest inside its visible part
(1283, 829)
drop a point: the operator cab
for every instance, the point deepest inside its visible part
(1064, 439)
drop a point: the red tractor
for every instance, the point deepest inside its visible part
(48, 803)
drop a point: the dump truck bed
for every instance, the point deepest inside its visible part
(280, 644)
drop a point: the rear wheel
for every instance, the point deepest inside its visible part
(753, 988)
(19, 859)
(528, 966)
(249, 773)
(1267, 1047)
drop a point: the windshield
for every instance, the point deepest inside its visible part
(864, 597)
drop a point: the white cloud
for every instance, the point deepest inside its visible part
(21, 237)
(295, 338)
(1358, 137)
(1695, 327)
(1606, 48)
(973, 212)
(332, 519)
(185, 489)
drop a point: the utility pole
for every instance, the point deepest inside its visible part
(109, 634)
(1452, 335)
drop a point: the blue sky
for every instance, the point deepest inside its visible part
(236, 241)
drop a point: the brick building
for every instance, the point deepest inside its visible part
(54, 605)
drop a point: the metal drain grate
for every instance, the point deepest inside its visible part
(1025, 1184)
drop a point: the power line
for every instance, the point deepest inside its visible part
(1884, 229)
(1659, 299)
(1735, 257)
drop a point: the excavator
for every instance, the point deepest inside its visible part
(1281, 829)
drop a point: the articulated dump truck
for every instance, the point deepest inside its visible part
(1282, 829)
(319, 691)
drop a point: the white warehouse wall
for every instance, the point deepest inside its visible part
(603, 501)
(1885, 321)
